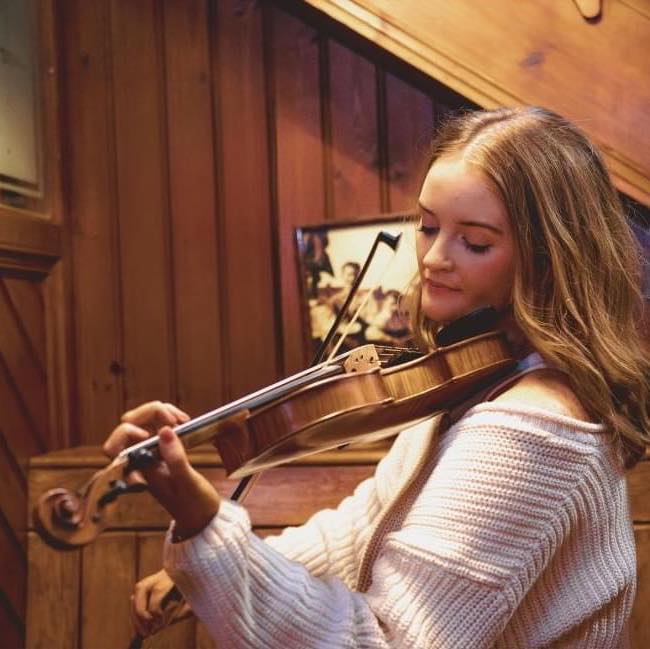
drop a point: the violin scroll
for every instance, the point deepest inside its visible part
(68, 519)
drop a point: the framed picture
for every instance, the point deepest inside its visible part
(331, 256)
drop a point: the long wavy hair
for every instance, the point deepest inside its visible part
(577, 293)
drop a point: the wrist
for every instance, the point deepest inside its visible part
(185, 529)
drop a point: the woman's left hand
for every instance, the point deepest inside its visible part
(187, 495)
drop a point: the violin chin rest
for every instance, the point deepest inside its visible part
(477, 322)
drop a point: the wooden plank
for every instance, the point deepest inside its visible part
(193, 205)
(17, 428)
(638, 481)
(142, 203)
(90, 161)
(13, 576)
(60, 356)
(300, 191)
(13, 494)
(355, 153)
(12, 631)
(27, 301)
(181, 634)
(29, 234)
(247, 243)
(53, 588)
(581, 71)
(22, 370)
(638, 627)
(109, 571)
(410, 117)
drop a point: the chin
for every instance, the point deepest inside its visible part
(444, 313)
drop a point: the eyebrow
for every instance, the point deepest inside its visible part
(474, 224)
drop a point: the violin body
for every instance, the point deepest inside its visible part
(359, 406)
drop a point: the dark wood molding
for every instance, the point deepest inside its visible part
(29, 245)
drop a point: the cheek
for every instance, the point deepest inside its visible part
(494, 279)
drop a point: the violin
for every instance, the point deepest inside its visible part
(350, 399)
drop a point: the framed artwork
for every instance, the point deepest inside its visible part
(331, 256)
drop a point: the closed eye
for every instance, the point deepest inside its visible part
(427, 230)
(474, 247)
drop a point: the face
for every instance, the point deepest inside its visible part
(464, 242)
(349, 274)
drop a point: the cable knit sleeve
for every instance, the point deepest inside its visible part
(498, 505)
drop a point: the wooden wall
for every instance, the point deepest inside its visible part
(191, 136)
(198, 134)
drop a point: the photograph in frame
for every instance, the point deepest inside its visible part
(330, 257)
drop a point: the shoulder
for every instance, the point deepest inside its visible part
(545, 389)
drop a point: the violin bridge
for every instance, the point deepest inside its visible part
(362, 359)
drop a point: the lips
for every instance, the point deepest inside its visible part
(435, 284)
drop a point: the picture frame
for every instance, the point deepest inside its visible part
(330, 256)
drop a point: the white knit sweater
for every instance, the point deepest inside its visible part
(519, 537)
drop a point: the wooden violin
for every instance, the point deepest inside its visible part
(350, 399)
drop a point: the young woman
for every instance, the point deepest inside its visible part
(508, 527)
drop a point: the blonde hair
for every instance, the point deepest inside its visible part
(577, 289)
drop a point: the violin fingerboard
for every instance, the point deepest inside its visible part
(362, 359)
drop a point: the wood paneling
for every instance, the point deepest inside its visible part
(248, 239)
(142, 207)
(355, 145)
(91, 216)
(593, 73)
(192, 205)
(300, 197)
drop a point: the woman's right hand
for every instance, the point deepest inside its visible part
(147, 610)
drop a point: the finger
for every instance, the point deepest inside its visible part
(135, 478)
(151, 413)
(140, 604)
(173, 453)
(180, 415)
(141, 628)
(125, 435)
(155, 601)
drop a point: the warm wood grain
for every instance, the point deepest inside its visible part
(410, 125)
(22, 368)
(355, 153)
(192, 204)
(13, 574)
(109, 567)
(53, 609)
(553, 58)
(639, 630)
(26, 299)
(639, 485)
(142, 204)
(91, 218)
(299, 163)
(247, 245)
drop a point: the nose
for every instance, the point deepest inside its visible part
(438, 257)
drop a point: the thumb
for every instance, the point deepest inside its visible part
(173, 452)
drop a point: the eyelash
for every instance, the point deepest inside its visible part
(431, 231)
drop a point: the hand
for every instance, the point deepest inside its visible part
(190, 499)
(146, 605)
